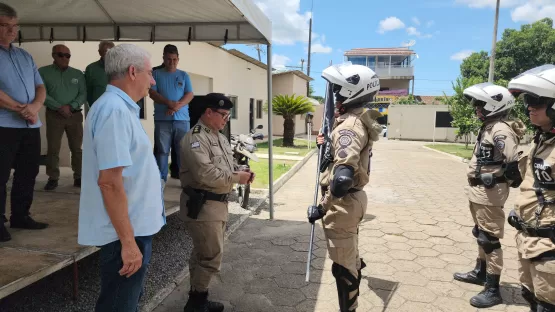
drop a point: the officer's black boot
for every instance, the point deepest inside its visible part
(530, 298)
(476, 276)
(490, 296)
(198, 302)
(545, 307)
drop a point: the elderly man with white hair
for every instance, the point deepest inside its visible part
(119, 212)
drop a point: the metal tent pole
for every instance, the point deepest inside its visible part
(270, 133)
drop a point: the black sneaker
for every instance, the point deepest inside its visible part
(4, 234)
(27, 223)
(51, 185)
(77, 182)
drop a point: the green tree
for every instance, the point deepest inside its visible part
(408, 100)
(318, 98)
(517, 51)
(289, 106)
(462, 112)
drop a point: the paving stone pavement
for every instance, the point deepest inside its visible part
(415, 235)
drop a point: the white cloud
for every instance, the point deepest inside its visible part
(320, 48)
(389, 24)
(289, 25)
(459, 56)
(534, 10)
(491, 3)
(416, 21)
(412, 31)
(527, 11)
(279, 61)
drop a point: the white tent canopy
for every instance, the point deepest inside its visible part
(237, 21)
(226, 21)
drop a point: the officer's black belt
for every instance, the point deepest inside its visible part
(351, 190)
(213, 196)
(478, 181)
(544, 232)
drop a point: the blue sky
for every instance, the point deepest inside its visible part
(445, 31)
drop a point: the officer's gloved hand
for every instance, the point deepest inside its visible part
(315, 213)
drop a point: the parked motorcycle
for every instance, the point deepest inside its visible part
(243, 147)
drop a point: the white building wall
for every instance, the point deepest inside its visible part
(211, 69)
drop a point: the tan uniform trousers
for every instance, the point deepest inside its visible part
(56, 125)
(207, 253)
(490, 219)
(341, 230)
(538, 277)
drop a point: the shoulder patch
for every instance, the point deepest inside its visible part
(499, 138)
(195, 144)
(207, 130)
(196, 129)
(500, 144)
(347, 132)
(342, 154)
(345, 140)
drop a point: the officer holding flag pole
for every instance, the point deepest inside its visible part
(346, 151)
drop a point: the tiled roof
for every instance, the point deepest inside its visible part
(429, 99)
(380, 51)
(294, 72)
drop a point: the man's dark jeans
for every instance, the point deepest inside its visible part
(119, 293)
(20, 150)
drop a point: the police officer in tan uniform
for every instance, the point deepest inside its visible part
(534, 213)
(207, 176)
(343, 204)
(491, 171)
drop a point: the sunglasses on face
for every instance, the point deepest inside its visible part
(60, 55)
(224, 115)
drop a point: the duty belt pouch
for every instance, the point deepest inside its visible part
(488, 179)
(195, 202)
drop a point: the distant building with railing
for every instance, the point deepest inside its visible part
(394, 66)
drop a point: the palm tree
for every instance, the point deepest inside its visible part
(288, 106)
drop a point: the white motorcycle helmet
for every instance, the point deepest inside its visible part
(495, 100)
(353, 85)
(537, 87)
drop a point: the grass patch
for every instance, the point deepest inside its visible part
(301, 147)
(262, 172)
(454, 149)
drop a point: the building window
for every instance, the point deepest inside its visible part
(259, 109)
(234, 100)
(141, 104)
(358, 60)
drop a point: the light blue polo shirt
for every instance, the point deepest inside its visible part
(173, 87)
(19, 77)
(114, 137)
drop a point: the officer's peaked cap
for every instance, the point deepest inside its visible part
(217, 101)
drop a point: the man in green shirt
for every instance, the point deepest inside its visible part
(95, 75)
(65, 94)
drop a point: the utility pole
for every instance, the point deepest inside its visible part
(492, 57)
(309, 52)
(309, 49)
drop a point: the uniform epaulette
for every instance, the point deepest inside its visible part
(196, 129)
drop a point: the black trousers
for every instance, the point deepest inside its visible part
(20, 150)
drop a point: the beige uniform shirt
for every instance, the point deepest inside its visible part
(207, 164)
(543, 161)
(352, 138)
(499, 143)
